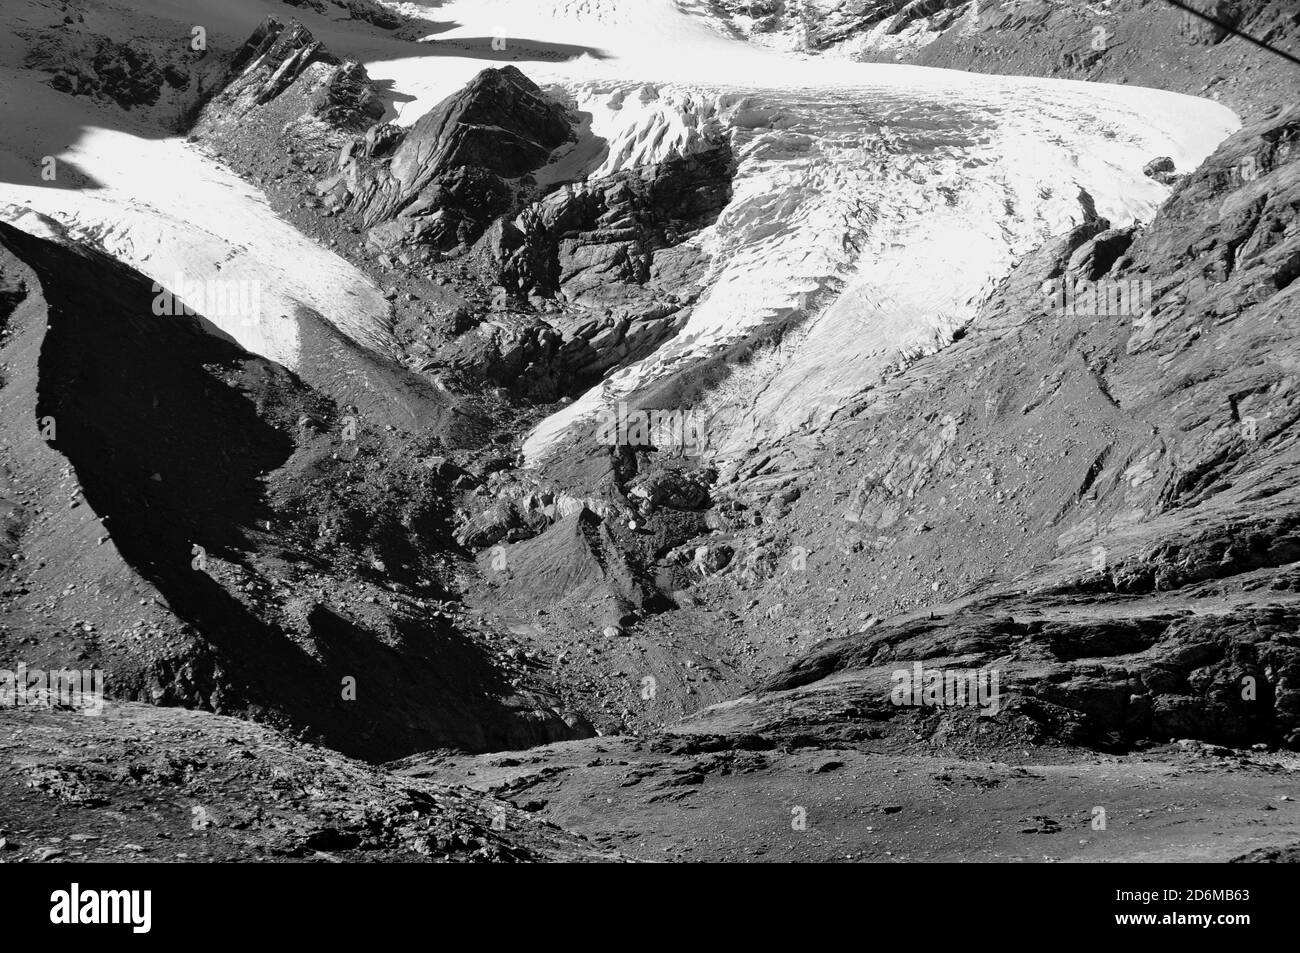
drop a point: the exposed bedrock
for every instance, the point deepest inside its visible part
(284, 83)
(464, 162)
(608, 266)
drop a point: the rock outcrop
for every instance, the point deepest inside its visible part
(135, 74)
(463, 163)
(285, 84)
(609, 263)
(594, 242)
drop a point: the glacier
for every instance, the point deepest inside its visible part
(873, 204)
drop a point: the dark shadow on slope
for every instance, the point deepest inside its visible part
(434, 27)
(67, 175)
(510, 50)
(56, 135)
(170, 433)
(167, 453)
(393, 101)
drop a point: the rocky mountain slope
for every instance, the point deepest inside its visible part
(1083, 487)
(216, 534)
(1145, 42)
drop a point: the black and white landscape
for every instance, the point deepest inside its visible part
(627, 430)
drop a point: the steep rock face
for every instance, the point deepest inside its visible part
(460, 165)
(331, 98)
(610, 264)
(588, 242)
(1221, 18)
(1103, 681)
(592, 274)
